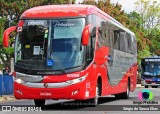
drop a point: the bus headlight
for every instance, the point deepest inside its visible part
(77, 80)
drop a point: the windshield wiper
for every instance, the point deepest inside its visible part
(57, 61)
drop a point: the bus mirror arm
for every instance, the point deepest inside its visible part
(6, 35)
(86, 35)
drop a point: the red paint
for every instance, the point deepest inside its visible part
(6, 35)
(57, 11)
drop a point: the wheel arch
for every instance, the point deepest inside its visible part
(99, 81)
(129, 82)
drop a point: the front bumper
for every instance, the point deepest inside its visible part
(76, 91)
(144, 83)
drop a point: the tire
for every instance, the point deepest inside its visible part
(124, 95)
(146, 86)
(39, 103)
(154, 86)
(94, 101)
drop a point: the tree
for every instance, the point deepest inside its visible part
(136, 19)
(111, 9)
(143, 53)
(5, 53)
(149, 12)
(155, 41)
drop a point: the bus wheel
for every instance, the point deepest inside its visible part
(94, 101)
(39, 103)
(124, 95)
(146, 86)
(154, 86)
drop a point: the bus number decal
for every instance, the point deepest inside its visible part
(72, 75)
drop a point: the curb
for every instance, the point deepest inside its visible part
(7, 98)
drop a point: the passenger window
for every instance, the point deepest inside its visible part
(116, 40)
(123, 42)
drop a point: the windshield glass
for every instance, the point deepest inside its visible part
(31, 44)
(65, 44)
(152, 69)
(50, 44)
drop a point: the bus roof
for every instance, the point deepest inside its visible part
(153, 57)
(68, 10)
(49, 11)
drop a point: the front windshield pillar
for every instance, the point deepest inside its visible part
(49, 44)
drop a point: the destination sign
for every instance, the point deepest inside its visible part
(36, 22)
(152, 60)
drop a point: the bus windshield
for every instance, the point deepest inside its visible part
(50, 44)
(65, 43)
(152, 69)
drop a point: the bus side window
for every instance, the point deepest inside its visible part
(123, 42)
(93, 38)
(91, 45)
(100, 41)
(128, 38)
(116, 40)
(132, 48)
(89, 51)
(91, 19)
(111, 38)
(135, 45)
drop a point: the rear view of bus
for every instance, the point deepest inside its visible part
(150, 72)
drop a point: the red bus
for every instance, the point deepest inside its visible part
(72, 52)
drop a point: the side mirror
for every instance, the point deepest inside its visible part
(6, 35)
(86, 35)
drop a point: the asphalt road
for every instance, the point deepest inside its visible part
(107, 105)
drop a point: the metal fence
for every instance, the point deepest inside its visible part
(6, 84)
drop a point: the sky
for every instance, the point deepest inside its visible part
(127, 5)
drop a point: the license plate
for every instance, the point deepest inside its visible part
(45, 94)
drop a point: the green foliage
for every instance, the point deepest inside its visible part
(135, 19)
(155, 41)
(5, 53)
(149, 25)
(149, 11)
(144, 53)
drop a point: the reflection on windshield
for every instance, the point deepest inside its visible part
(31, 44)
(39, 47)
(152, 69)
(66, 42)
